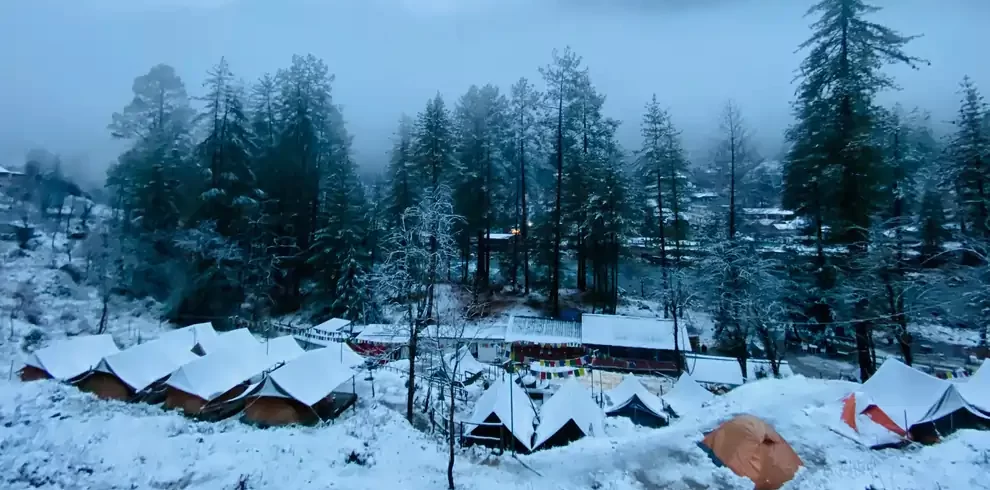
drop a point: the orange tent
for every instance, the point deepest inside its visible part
(753, 449)
(878, 416)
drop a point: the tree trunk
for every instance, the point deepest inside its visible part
(555, 270)
(524, 225)
(450, 437)
(411, 393)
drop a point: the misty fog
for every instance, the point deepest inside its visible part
(67, 65)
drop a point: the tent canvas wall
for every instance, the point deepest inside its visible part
(66, 360)
(568, 415)
(632, 400)
(302, 391)
(753, 449)
(134, 371)
(503, 418)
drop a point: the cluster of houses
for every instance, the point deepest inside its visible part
(549, 347)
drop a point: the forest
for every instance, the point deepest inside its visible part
(243, 198)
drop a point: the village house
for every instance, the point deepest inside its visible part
(633, 344)
(535, 339)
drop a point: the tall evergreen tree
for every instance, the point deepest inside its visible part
(970, 150)
(403, 173)
(831, 142)
(523, 125)
(433, 143)
(562, 78)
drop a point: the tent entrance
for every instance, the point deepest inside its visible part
(567, 434)
(637, 412)
(494, 434)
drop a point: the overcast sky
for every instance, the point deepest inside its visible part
(68, 64)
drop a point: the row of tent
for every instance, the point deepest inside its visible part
(207, 374)
(899, 404)
(505, 417)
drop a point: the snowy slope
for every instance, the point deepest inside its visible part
(65, 439)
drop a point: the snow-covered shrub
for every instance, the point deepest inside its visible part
(33, 340)
(26, 304)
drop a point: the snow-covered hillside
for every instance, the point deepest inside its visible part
(53, 436)
(56, 437)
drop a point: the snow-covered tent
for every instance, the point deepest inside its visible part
(130, 373)
(918, 403)
(976, 389)
(225, 373)
(302, 391)
(866, 423)
(686, 395)
(567, 416)
(66, 360)
(631, 399)
(468, 368)
(503, 418)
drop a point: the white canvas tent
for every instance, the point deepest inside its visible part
(307, 379)
(571, 406)
(631, 397)
(508, 405)
(976, 389)
(687, 395)
(467, 365)
(240, 358)
(911, 397)
(70, 358)
(142, 365)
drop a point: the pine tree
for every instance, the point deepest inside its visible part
(523, 114)
(404, 180)
(832, 140)
(932, 226)
(352, 301)
(562, 77)
(480, 121)
(970, 150)
(230, 193)
(432, 147)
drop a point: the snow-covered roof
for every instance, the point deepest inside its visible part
(536, 330)
(68, 358)
(628, 391)
(333, 325)
(6, 171)
(384, 333)
(571, 402)
(206, 337)
(212, 343)
(629, 331)
(725, 370)
(144, 364)
(308, 378)
(768, 211)
(511, 405)
(213, 374)
(687, 395)
(911, 397)
(466, 333)
(281, 349)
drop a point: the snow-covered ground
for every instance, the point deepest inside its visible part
(949, 335)
(56, 437)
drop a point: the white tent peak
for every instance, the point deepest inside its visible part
(910, 397)
(511, 405)
(144, 364)
(572, 402)
(72, 357)
(310, 377)
(629, 390)
(687, 395)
